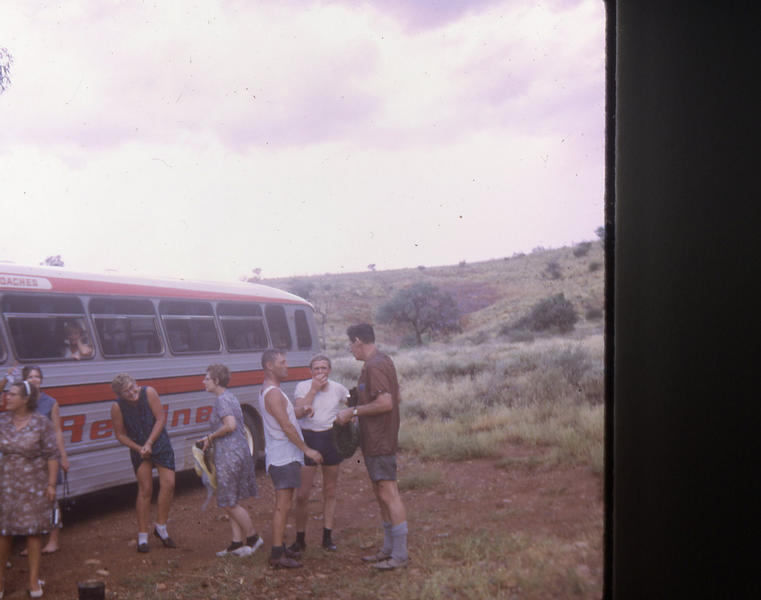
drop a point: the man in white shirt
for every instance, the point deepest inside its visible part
(325, 397)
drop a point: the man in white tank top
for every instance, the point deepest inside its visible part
(284, 450)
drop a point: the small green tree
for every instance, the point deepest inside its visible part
(255, 277)
(6, 60)
(53, 261)
(600, 232)
(424, 307)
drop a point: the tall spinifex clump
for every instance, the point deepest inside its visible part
(460, 403)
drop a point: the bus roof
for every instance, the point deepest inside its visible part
(56, 279)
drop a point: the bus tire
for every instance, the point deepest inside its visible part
(252, 431)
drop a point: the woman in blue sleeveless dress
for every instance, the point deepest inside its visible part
(140, 424)
(236, 477)
(47, 405)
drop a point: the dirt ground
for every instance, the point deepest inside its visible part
(99, 538)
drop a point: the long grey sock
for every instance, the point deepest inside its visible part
(399, 541)
(387, 539)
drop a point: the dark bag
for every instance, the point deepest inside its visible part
(55, 513)
(66, 502)
(346, 438)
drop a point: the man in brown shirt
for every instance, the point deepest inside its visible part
(378, 413)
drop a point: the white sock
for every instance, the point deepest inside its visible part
(142, 538)
(161, 530)
(399, 541)
(388, 541)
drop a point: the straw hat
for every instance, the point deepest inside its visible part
(202, 468)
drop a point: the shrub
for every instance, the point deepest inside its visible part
(300, 287)
(572, 362)
(594, 266)
(516, 336)
(593, 313)
(555, 312)
(582, 249)
(479, 338)
(408, 341)
(553, 271)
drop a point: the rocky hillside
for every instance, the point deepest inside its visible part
(489, 293)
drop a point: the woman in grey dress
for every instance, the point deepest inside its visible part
(236, 477)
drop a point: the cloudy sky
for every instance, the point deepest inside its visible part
(204, 139)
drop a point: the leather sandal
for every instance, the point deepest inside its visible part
(167, 541)
(37, 593)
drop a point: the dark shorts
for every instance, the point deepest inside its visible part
(164, 459)
(286, 477)
(323, 442)
(381, 468)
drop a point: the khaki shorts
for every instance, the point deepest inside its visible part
(286, 477)
(381, 468)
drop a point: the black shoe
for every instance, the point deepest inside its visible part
(295, 549)
(142, 547)
(283, 562)
(167, 541)
(329, 546)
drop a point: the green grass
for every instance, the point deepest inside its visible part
(548, 396)
(420, 480)
(481, 563)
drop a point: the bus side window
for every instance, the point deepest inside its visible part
(278, 326)
(3, 353)
(47, 327)
(303, 335)
(189, 326)
(242, 326)
(126, 327)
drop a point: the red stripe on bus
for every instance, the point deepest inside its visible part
(100, 392)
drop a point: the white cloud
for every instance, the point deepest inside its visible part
(204, 140)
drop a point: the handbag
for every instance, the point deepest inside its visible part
(66, 501)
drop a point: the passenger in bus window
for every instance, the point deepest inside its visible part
(236, 478)
(47, 406)
(28, 470)
(76, 345)
(140, 424)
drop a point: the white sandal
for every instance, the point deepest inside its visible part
(36, 593)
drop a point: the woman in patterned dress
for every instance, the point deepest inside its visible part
(28, 472)
(47, 405)
(236, 477)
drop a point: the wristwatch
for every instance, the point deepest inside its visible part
(355, 412)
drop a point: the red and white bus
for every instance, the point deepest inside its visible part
(164, 333)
